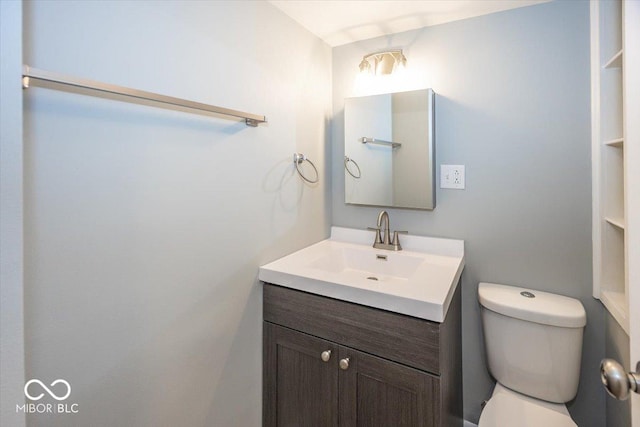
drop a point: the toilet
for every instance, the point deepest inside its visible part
(533, 342)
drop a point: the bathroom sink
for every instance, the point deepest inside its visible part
(356, 263)
(418, 281)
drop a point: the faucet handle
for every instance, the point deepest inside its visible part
(396, 241)
(377, 230)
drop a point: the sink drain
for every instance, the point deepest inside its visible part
(372, 278)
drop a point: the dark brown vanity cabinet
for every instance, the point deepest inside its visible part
(333, 363)
(300, 389)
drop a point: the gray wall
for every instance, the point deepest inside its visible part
(11, 212)
(146, 227)
(617, 348)
(513, 106)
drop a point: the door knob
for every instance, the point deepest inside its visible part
(344, 363)
(325, 355)
(617, 381)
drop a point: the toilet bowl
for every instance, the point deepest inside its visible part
(533, 342)
(508, 408)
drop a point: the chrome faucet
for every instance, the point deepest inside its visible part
(384, 216)
(383, 229)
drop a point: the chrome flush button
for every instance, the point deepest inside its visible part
(527, 294)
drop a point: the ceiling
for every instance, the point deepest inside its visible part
(339, 22)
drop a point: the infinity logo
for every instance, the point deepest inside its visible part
(52, 394)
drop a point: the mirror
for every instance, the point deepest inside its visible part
(389, 150)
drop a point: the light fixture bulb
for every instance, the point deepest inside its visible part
(385, 64)
(403, 60)
(365, 67)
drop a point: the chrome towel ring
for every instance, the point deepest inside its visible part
(346, 166)
(298, 158)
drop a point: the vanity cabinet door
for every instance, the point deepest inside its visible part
(300, 379)
(376, 392)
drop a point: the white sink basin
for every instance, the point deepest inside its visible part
(418, 281)
(359, 262)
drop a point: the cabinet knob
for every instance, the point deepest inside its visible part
(344, 364)
(326, 355)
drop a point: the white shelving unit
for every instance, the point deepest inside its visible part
(610, 282)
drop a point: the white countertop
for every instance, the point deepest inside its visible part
(418, 281)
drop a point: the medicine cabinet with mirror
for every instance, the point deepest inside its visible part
(389, 150)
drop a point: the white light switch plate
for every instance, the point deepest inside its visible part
(452, 176)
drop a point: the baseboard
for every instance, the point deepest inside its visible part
(469, 424)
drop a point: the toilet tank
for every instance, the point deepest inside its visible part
(533, 340)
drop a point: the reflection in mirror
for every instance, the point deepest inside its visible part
(389, 150)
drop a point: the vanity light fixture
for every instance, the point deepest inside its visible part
(383, 62)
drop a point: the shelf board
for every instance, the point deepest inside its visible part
(615, 61)
(617, 304)
(616, 222)
(618, 142)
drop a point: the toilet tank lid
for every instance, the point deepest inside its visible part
(545, 308)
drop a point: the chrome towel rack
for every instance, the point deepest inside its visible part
(33, 76)
(366, 140)
(298, 158)
(348, 160)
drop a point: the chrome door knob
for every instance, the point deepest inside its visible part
(344, 363)
(617, 381)
(325, 355)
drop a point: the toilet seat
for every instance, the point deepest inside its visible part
(507, 408)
